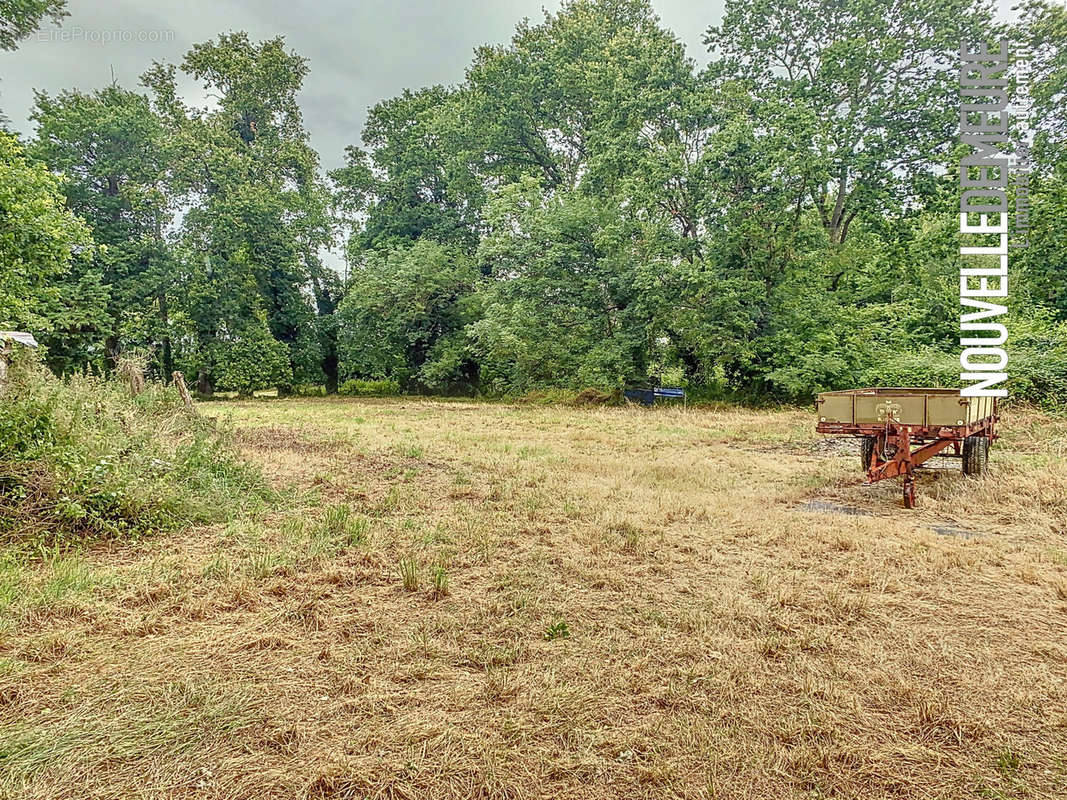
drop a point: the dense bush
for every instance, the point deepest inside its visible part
(81, 457)
(251, 361)
(403, 317)
(569, 397)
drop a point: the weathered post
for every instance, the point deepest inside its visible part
(131, 371)
(183, 390)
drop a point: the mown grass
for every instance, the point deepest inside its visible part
(470, 600)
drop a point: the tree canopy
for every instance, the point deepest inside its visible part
(586, 207)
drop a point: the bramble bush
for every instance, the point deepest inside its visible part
(81, 457)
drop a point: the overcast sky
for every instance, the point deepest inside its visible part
(360, 52)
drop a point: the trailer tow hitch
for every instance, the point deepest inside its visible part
(893, 456)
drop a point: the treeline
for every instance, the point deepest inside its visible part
(586, 209)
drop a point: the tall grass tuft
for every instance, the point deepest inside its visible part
(409, 573)
(439, 577)
(82, 457)
(337, 529)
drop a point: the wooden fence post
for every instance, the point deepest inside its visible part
(131, 371)
(183, 390)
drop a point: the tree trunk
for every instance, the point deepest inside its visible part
(203, 384)
(329, 366)
(326, 306)
(168, 353)
(690, 363)
(111, 353)
(5, 356)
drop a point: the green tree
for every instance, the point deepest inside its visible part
(404, 317)
(1044, 260)
(1042, 28)
(411, 179)
(881, 82)
(563, 309)
(20, 18)
(43, 290)
(248, 358)
(257, 209)
(574, 99)
(109, 146)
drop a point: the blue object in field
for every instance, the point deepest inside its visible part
(648, 397)
(669, 394)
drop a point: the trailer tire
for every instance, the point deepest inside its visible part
(867, 450)
(975, 455)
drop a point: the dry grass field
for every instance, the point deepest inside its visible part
(468, 600)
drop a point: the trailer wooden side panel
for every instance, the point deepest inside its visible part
(906, 408)
(836, 407)
(946, 410)
(920, 407)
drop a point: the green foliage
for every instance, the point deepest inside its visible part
(409, 573)
(257, 216)
(774, 226)
(80, 457)
(439, 581)
(924, 366)
(586, 208)
(1044, 260)
(249, 360)
(1037, 366)
(569, 397)
(41, 241)
(1042, 29)
(879, 88)
(578, 99)
(412, 180)
(562, 308)
(404, 314)
(557, 630)
(109, 145)
(339, 527)
(20, 18)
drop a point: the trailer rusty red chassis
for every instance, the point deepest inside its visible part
(891, 421)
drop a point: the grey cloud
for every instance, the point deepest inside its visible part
(360, 53)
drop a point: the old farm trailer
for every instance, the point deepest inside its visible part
(891, 420)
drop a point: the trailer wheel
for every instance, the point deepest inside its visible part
(975, 455)
(867, 450)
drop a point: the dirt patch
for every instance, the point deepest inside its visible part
(957, 532)
(827, 507)
(835, 446)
